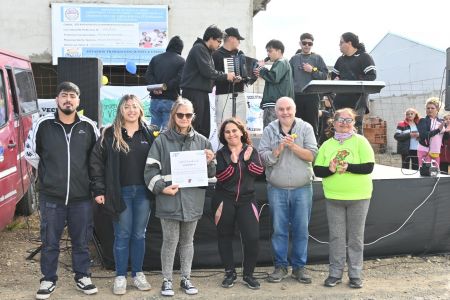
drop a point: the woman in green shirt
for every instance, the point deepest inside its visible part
(345, 163)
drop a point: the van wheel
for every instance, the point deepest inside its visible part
(28, 204)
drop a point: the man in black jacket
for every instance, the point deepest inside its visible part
(165, 68)
(58, 146)
(226, 89)
(199, 76)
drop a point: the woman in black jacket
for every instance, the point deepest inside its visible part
(117, 165)
(407, 136)
(238, 165)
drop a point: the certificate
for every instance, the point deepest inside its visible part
(189, 168)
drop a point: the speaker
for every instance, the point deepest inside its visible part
(87, 74)
(447, 82)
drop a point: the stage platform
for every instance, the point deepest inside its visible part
(396, 196)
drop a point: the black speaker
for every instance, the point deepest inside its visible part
(447, 85)
(87, 74)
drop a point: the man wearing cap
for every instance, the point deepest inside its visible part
(226, 89)
(199, 76)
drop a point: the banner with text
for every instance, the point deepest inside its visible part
(116, 34)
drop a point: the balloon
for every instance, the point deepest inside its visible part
(104, 80)
(131, 67)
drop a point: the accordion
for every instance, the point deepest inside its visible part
(242, 66)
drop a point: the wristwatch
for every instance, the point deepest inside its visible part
(315, 69)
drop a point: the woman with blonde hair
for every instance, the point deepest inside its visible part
(117, 173)
(431, 131)
(179, 209)
(407, 137)
(345, 163)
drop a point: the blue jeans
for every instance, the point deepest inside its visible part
(79, 219)
(129, 230)
(290, 209)
(160, 112)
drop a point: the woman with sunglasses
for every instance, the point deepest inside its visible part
(407, 137)
(178, 209)
(117, 168)
(234, 201)
(345, 163)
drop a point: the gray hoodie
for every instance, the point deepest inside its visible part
(288, 170)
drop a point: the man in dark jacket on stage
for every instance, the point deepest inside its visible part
(199, 76)
(165, 68)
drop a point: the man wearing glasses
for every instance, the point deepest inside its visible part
(199, 76)
(307, 66)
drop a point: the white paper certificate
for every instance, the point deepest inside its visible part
(189, 168)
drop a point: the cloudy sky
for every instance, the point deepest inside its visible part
(426, 22)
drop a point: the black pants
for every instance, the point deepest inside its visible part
(200, 101)
(227, 214)
(308, 109)
(410, 157)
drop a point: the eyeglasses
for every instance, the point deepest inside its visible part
(181, 115)
(344, 120)
(307, 43)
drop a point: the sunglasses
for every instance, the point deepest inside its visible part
(181, 115)
(307, 43)
(344, 120)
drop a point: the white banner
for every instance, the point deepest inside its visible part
(254, 113)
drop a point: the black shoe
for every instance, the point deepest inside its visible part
(167, 288)
(85, 285)
(188, 287)
(229, 278)
(45, 289)
(251, 282)
(355, 283)
(300, 275)
(332, 281)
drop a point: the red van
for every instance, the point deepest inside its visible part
(18, 110)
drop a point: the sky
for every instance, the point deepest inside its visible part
(425, 22)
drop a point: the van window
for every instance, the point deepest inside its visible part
(26, 91)
(2, 100)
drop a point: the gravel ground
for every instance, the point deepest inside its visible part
(390, 278)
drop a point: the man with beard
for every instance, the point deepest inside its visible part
(58, 147)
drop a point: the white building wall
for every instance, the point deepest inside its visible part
(26, 24)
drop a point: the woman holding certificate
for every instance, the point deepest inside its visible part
(116, 168)
(178, 206)
(238, 165)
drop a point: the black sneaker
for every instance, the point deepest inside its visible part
(85, 285)
(188, 287)
(45, 289)
(166, 288)
(332, 281)
(251, 282)
(229, 278)
(356, 283)
(300, 275)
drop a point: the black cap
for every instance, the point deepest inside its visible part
(232, 31)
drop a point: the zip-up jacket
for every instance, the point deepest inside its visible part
(236, 181)
(425, 132)
(403, 137)
(61, 160)
(104, 169)
(187, 204)
(278, 82)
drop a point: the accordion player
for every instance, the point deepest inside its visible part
(242, 66)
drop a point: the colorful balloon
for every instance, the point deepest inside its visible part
(105, 80)
(131, 67)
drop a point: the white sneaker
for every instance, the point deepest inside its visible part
(120, 285)
(45, 289)
(141, 282)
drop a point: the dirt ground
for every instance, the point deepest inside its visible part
(391, 278)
